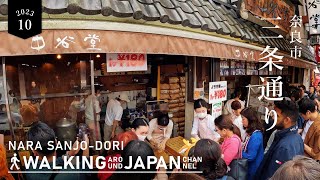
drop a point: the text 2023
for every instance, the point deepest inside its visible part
(23, 12)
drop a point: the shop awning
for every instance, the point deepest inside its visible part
(129, 42)
(206, 15)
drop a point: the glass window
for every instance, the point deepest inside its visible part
(204, 68)
(53, 85)
(4, 123)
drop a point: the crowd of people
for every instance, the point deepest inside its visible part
(242, 135)
(291, 151)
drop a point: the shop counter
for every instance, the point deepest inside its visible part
(177, 146)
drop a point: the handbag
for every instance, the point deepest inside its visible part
(239, 168)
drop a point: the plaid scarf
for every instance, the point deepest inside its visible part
(246, 141)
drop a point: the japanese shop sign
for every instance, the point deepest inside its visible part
(217, 91)
(121, 62)
(216, 109)
(97, 41)
(277, 12)
(313, 7)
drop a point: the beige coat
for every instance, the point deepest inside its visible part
(313, 140)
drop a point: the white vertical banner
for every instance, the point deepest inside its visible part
(313, 7)
(216, 109)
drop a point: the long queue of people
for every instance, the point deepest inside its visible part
(296, 133)
(290, 153)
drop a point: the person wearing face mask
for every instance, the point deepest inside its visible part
(203, 124)
(160, 130)
(113, 116)
(140, 127)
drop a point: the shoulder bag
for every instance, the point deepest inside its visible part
(239, 167)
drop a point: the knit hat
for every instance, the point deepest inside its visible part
(29, 114)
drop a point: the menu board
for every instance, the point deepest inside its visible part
(224, 68)
(252, 68)
(233, 68)
(240, 68)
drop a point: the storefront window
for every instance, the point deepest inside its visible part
(4, 123)
(48, 83)
(203, 72)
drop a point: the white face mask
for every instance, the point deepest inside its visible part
(141, 137)
(201, 115)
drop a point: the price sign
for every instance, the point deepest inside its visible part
(24, 18)
(123, 62)
(217, 91)
(216, 109)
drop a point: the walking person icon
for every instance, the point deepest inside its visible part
(14, 161)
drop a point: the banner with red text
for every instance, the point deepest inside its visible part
(217, 91)
(121, 62)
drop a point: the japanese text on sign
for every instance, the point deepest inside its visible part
(126, 62)
(313, 7)
(295, 36)
(272, 11)
(216, 109)
(217, 91)
(272, 90)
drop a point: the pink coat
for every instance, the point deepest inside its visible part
(230, 149)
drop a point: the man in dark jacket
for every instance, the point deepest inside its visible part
(287, 142)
